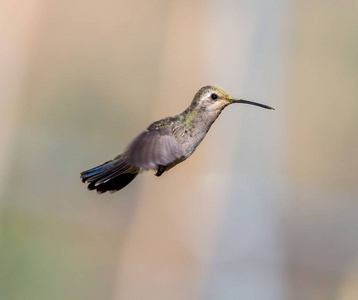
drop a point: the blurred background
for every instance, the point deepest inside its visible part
(266, 208)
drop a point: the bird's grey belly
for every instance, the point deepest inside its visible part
(190, 141)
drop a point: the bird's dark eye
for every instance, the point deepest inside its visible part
(214, 96)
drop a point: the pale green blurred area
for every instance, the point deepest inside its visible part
(267, 207)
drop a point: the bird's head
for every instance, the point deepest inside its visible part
(211, 98)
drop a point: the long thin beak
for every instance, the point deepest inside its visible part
(250, 102)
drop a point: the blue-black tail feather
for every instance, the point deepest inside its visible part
(111, 176)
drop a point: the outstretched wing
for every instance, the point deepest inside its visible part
(154, 147)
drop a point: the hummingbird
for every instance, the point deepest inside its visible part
(164, 144)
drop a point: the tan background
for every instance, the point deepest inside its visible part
(265, 209)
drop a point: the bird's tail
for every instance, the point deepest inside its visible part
(111, 176)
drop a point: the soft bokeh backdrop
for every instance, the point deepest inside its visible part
(267, 207)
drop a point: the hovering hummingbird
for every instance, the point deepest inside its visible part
(164, 143)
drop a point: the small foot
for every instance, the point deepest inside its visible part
(161, 170)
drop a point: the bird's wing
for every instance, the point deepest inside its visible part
(154, 147)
